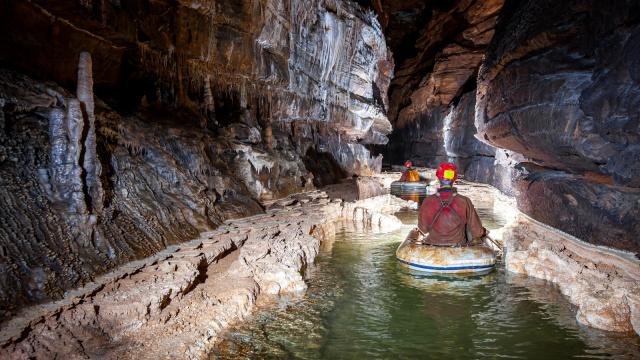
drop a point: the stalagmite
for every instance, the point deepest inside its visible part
(90, 161)
(71, 179)
(208, 96)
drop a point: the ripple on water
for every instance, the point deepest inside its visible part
(362, 304)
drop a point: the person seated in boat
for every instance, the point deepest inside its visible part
(410, 174)
(446, 217)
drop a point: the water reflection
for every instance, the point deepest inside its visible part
(413, 197)
(362, 304)
(460, 284)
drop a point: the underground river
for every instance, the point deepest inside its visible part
(362, 304)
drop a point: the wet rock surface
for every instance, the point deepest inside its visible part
(200, 111)
(428, 98)
(603, 284)
(447, 135)
(175, 303)
(316, 70)
(557, 88)
(549, 118)
(129, 127)
(443, 55)
(69, 213)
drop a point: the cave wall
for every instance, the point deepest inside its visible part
(547, 111)
(431, 97)
(280, 61)
(69, 213)
(560, 88)
(446, 134)
(128, 126)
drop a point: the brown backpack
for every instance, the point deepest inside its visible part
(447, 204)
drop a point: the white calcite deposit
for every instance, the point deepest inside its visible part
(174, 304)
(604, 284)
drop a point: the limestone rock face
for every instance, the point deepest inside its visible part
(445, 56)
(576, 111)
(598, 213)
(127, 127)
(447, 134)
(322, 65)
(560, 86)
(185, 114)
(554, 101)
(604, 285)
(432, 95)
(158, 185)
(176, 303)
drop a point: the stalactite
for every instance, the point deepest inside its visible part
(268, 136)
(158, 175)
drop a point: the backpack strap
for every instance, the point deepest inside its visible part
(445, 204)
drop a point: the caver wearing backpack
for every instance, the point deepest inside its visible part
(447, 216)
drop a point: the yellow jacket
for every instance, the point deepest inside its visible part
(410, 175)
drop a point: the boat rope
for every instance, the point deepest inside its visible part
(500, 248)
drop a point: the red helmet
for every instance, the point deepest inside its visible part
(447, 172)
(408, 163)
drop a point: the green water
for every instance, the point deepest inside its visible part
(361, 304)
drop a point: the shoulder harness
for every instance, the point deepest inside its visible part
(445, 204)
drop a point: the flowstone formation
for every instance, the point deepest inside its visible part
(129, 126)
(314, 70)
(176, 303)
(68, 215)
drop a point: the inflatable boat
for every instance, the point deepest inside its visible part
(408, 188)
(444, 259)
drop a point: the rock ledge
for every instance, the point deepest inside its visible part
(174, 304)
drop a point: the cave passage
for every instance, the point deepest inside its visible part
(362, 303)
(167, 167)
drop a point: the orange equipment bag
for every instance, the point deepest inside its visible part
(413, 176)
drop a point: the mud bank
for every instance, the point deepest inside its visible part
(176, 303)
